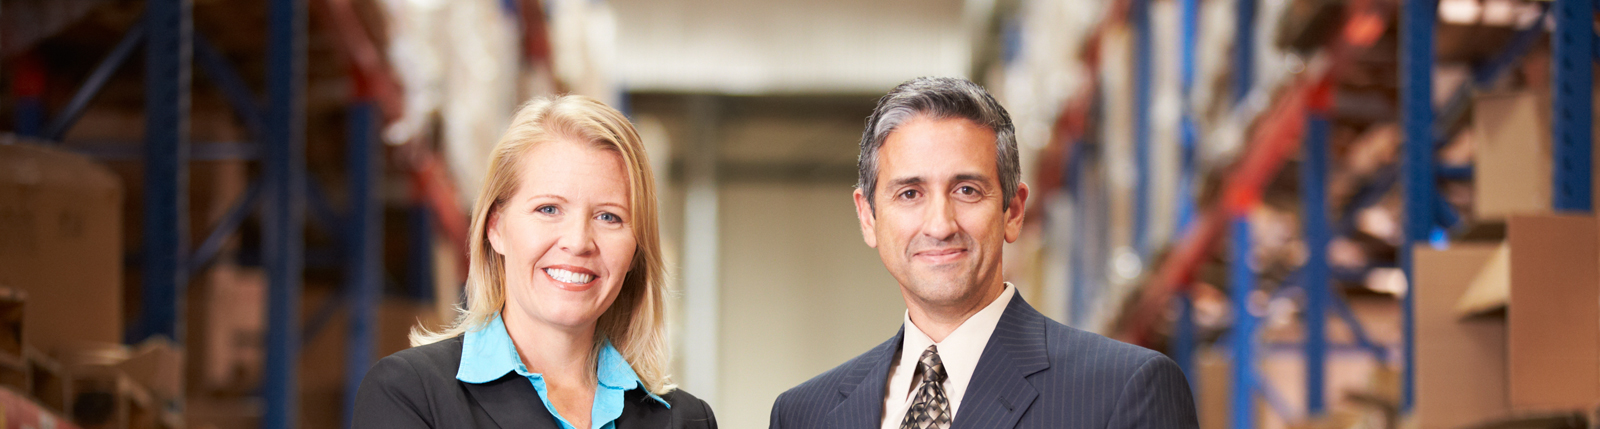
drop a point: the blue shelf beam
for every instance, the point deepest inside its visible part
(1572, 43)
(364, 241)
(1416, 89)
(322, 214)
(239, 96)
(170, 25)
(1358, 332)
(283, 214)
(1275, 400)
(225, 228)
(119, 54)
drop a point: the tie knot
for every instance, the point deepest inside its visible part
(932, 368)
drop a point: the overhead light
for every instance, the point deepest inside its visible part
(1463, 12)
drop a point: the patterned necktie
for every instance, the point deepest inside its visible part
(930, 409)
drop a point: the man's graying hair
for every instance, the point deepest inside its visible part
(938, 98)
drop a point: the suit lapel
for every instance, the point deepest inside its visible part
(999, 392)
(512, 402)
(863, 386)
(641, 412)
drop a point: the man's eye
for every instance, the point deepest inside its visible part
(908, 194)
(967, 190)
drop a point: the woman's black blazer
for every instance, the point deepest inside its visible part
(417, 388)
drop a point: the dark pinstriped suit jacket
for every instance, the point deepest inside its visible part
(1034, 373)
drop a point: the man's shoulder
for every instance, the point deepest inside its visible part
(1075, 348)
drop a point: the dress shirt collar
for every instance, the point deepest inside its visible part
(959, 351)
(488, 354)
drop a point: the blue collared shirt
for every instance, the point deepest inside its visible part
(488, 354)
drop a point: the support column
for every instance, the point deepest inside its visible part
(1416, 117)
(283, 210)
(702, 292)
(166, 167)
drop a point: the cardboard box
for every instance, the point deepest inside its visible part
(226, 352)
(157, 365)
(1512, 159)
(1553, 321)
(61, 242)
(1461, 363)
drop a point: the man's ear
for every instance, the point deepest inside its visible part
(868, 219)
(495, 241)
(1014, 209)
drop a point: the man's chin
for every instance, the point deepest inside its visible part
(942, 291)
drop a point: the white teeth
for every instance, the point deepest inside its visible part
(565, 276)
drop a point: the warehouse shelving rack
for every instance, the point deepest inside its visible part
(284, 195)
(1300, 116)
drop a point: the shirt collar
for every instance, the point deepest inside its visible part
(960, 351)
(488, 354)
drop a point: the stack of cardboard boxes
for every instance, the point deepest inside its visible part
(61, 318)
(1510, 328)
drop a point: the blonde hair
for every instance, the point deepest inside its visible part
(635, 322)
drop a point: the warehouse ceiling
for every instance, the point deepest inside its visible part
(786, 46)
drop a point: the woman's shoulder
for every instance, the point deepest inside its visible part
(440, 359)
(689, 411)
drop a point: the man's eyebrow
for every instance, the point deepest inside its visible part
(972, 178)
(906, 181)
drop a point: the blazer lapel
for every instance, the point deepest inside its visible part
(641, 412)
(512, 402)
(999, 392)
(863, 386)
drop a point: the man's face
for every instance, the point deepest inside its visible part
(941, 218)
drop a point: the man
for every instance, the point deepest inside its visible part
(939, 194)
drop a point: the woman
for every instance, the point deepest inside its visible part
(563, 327)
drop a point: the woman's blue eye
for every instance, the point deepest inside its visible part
(610, 218)
(549, 210)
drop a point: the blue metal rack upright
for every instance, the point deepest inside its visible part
(170, 27)
(1416, 107)
(1316, 280)
(1572, 43)
(1143, 77)
(1242, 279)
(364, 239)
(1184, 336)
(283, 211)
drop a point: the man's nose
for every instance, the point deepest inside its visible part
(940, 219)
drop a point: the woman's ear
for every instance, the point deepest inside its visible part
(494, 230)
